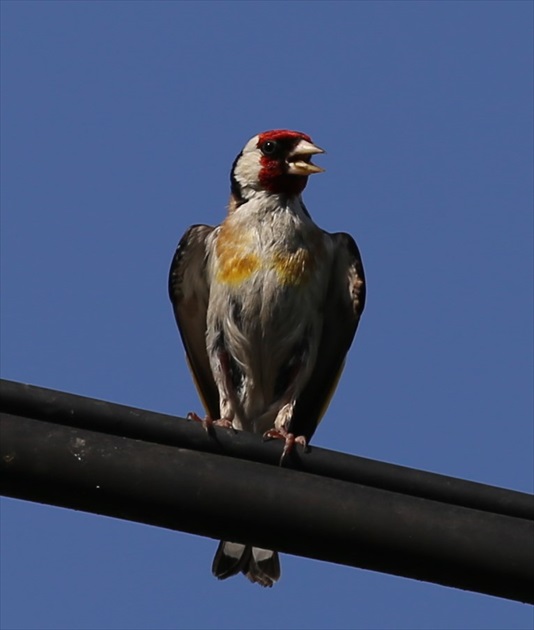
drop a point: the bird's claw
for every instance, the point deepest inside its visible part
(290, 440)
(208, 422)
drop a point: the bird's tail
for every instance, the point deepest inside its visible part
(259, 565)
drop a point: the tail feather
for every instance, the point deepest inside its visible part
(259, 565)
(230, 559)
(263, 567)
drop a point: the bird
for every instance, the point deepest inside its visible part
(267, 305)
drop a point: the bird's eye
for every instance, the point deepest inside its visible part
(269, 148)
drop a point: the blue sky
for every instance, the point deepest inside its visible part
(120, 121)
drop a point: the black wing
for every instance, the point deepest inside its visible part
(344, 305)
(189, 293)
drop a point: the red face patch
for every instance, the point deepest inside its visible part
(273, 175)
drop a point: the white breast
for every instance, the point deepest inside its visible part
(273, 313)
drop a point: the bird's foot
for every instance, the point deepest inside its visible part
(208, 422)
(290, 440)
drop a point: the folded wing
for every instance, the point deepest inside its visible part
(343, 307)
(189, 294)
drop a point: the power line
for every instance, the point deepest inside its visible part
(128, 463)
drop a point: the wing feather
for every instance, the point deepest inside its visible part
(189, 294)
(344, 305)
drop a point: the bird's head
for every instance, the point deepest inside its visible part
(277, 162)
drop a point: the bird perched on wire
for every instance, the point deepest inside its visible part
(267, 305)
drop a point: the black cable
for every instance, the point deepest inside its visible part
(97, 415)
(221, 496)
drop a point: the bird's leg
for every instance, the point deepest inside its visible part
(227, 398)
(284, 416)
(283, 421)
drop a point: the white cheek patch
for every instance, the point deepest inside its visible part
(247, 170)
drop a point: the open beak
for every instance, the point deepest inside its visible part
(299, 160)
